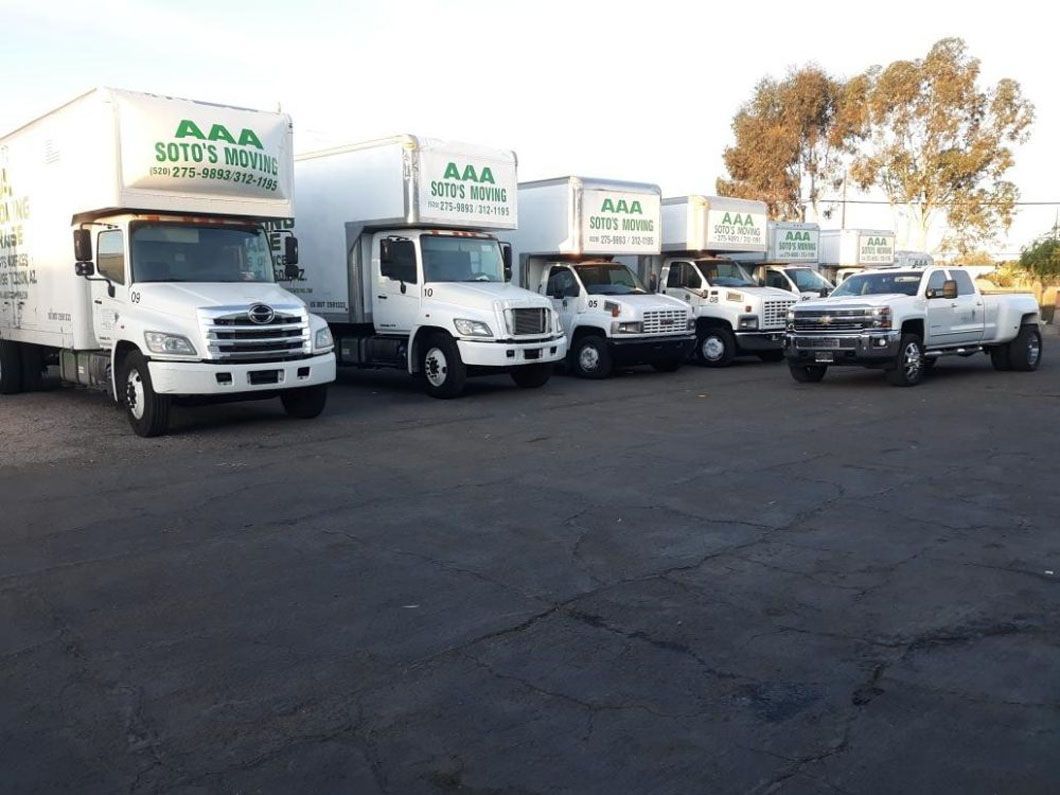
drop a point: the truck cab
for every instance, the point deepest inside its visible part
(801, 280)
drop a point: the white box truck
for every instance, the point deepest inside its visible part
(848, 251)
(913, 259)
(791, 260)
(402, 259)
(733, 314)
(570, 232)
(168, 290)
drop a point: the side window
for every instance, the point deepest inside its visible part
(935, 283)
(676, 277)
(560, 281)
(110, 255)
(774, 279)
(692, 279)
(964, 282)
(401, 263)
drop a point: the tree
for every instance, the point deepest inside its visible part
(1042, 258)
(941, 145)
(790, 138)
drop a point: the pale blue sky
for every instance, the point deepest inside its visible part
(639, 91)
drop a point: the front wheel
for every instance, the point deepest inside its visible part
(908, 367)
(715, 347)
(808, 373)
(147, 411)
(10, 368)
(443, 371)
(591, 357)
(532, 376)
(1025, 352)
(304, 403)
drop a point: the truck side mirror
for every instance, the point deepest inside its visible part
(82, 246)
(85, 269)
(949, 289)
(506, 257)
(385, 255)
(290, 250)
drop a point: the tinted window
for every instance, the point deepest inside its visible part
(936, 282)
(401, 266)
(964, 282)
(676, 276)
(171, 252)
(774, 279)
(561, 283)
(110, 256)
(880, 283)
(461, 259)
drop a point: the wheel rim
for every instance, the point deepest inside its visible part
(911, 361)
(713, 349)
(134, 394)
(1034, 349)
(589, 358)
(436, 367)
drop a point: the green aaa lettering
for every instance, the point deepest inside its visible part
(621, 206)
(469, 174)
(218, 132)
(797, 236)
(736, 219)
(878, 241)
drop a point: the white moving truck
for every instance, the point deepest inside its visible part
(733, 314)
(848, 251)
(168, 289)
(791, 260)
(398, 237)
(570, 232)
(913, 259)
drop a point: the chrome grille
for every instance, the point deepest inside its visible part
(775, 313)
(236, 337)
(524, 322)
(833, 320)
(829, 343)
(665, 321)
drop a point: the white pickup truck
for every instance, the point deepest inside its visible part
(903, 321)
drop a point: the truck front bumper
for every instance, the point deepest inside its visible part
(759, 340)
(869, 348)
(228, 378)
(506, 353)
(645, 350)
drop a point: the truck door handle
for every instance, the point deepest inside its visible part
(381, 296)
(98, 301)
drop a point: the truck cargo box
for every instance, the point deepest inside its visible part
(792, 241)
(851, 248)
(714, 224)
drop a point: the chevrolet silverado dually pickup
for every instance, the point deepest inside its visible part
(903, 321)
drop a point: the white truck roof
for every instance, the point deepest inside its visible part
(717, 224)
(856, 247)
(586, 216)
(111, 149)
(414, 181)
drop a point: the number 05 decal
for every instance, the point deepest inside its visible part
(594, 303)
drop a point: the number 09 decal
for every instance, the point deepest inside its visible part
(134, 296)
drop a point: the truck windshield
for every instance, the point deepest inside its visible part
(175, 252)
(808, 279)
(903, 282)
(609, 278)
(461, 259)
(725, 274)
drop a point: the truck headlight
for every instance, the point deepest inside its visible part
(691, 324)
(789, 323)
(557, 324)
(322, 340)
(748, 322)
(633, 327)
(168, 344)
(472, 328)
(881, 317)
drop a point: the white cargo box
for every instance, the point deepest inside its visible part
(715, 224)
(791, 241)
(851, 248)
(913, 259)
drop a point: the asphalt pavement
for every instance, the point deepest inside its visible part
(707, 581)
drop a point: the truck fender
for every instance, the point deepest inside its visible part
(419, 334)
(118, 352)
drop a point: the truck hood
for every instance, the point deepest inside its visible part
(638, 304)
(485, 296)
(765, 293)
(851, 302)
(181, 300)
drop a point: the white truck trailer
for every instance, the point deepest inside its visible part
(913, 259)
(790, 261)
(168, 290)
(399, 237)
(733, 314)
(848, 251)
(570, 232)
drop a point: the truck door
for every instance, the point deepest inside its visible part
(108, 297)
(969, 310)
(941, 312)
(775, 277)
(681, 279)
(563, 290)
(396, 300)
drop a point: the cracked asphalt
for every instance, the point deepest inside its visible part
(711, 581)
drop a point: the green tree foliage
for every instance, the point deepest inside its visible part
(940, 143)
(1042, 258)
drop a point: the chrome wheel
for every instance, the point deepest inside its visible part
(435, 367)
(1034, 349)
(134, 394)
(911, 361)
(589, 358)
(713, 349)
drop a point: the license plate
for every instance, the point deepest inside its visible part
(532, 353)
(824, 356)
(828, 342)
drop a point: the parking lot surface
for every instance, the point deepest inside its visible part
(710, 581)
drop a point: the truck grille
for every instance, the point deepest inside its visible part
(237, 337)
(833, 320)
(665, 321)
(775, 313)
(817, 343)
(526, 322)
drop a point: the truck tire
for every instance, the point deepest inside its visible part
(10, 368)
(908, 367)
(770, 356)
(147, 411)
(532, 376)
(304, 403)
(668, 365)
(591, 358)
(32, 368)
(808, 373)
(1025, 352)
(442, 369)
(715, 347)
(999, 357)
